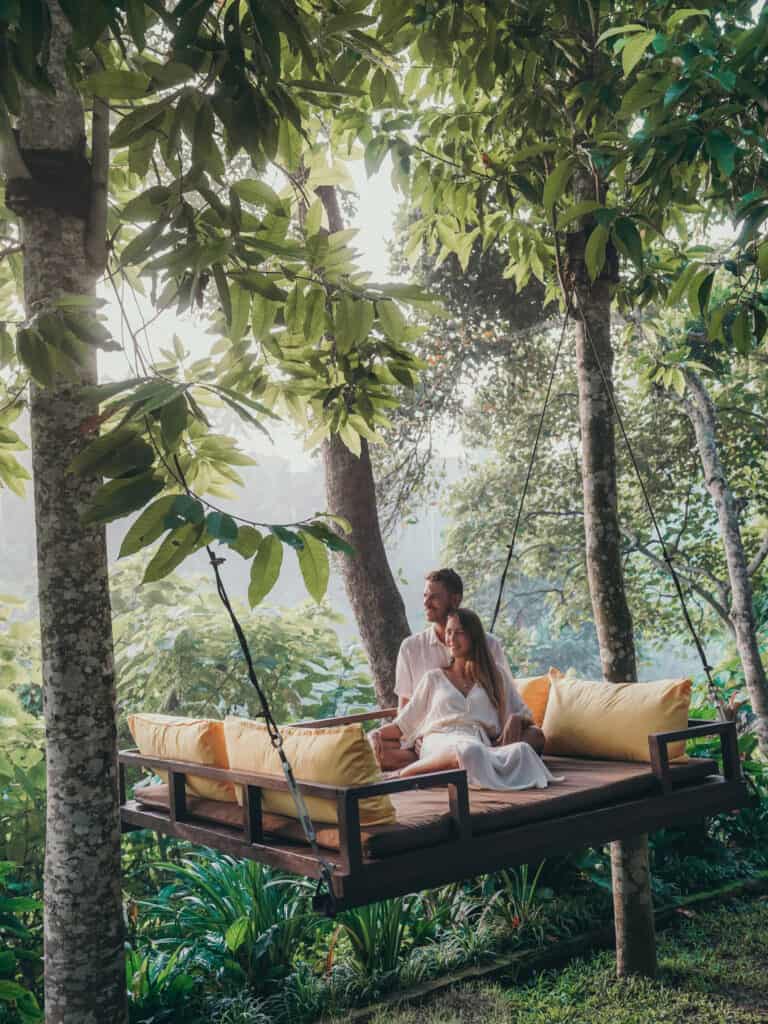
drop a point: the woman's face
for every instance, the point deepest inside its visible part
(456, 639)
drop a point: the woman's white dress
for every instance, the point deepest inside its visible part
(447, 721)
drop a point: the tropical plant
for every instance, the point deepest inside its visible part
(376, 934)
(21, 953)
(516, 901)
(22, 764)
(229, 917)
(175, 651)
(159, 991)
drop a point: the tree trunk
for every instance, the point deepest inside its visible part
(84, 958)
(633, 909)
(376, 602)
(351, 492)
(702, 414)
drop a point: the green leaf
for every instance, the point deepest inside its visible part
(595, 251)
(119, 497)
(634, 49)
(314, 219)
(221, 526)
(173, 422)
(578, 210)
(187, 508)
(555, 184)
(259, 194)
(762, 261)
(35, 355)
(628, 241)
(313, 562)
(117, 85)
(314, 315)
(148, 526)
(620, 30)
(265, 569)
(741, 332)
(247, 541)
(722, 149)
(112, 451)
(353, 322)
(178, 545)
(685, 12)
(237, 933)
(240, 301)
(699, 290)
(287, 536)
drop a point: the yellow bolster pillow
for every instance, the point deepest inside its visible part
(338, 755)
(535, 693)
(199, 740)
(614, 720)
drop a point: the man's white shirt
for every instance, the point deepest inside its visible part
(422, 652)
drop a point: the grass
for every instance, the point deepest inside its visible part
(713, 970)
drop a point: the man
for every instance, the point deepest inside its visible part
(443, 591)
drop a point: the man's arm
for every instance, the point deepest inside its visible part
(404, 681)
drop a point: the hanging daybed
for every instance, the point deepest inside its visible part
(444, 832)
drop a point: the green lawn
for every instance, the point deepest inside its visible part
(713, 969)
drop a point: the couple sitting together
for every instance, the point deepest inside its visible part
(458, 704)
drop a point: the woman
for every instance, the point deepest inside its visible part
(457, 713)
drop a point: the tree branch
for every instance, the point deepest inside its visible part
(760, 556)
(696, 587)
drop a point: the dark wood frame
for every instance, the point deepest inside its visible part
(357, 881)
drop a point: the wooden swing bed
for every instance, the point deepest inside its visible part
(444, 831)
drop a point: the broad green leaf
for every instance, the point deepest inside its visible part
(620, 30)
(221, 526)
(581, 209)
(555, 184)
(314, 315)
(259, 194)
(247, 541)
(392, 321)
(265, 569)
(699, 290)
(314, 219)
(634, 49)
(104, 451)
(741, 332)
(117, 85)
(287, 536)
(680, 285)
(187, 508)
(722, 149)
(178, 545)
(237, 933)
(594, 255)
(148, 526)
(241, 308)
(36, 355)
(119, 497)
(628, 241)
(313, 562)
(173, 422)
(685, 12)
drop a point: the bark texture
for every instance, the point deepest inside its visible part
(84, 958)
(701, 412)
(351, 492)
(376, 602)
(633, 908)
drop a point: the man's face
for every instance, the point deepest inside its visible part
(438, 602)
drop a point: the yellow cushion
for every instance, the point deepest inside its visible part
(199, 740)
(535, 692)
(338, 755)
(614, 720)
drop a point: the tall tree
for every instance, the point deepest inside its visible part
(84, 968)
(351, 493)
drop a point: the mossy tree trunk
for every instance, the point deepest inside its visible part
(84, 955)
(633, 909)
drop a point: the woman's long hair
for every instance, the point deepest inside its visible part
(480, 666)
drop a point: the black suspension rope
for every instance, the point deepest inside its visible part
(326, 868)
(714, 695)
(531, 462)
